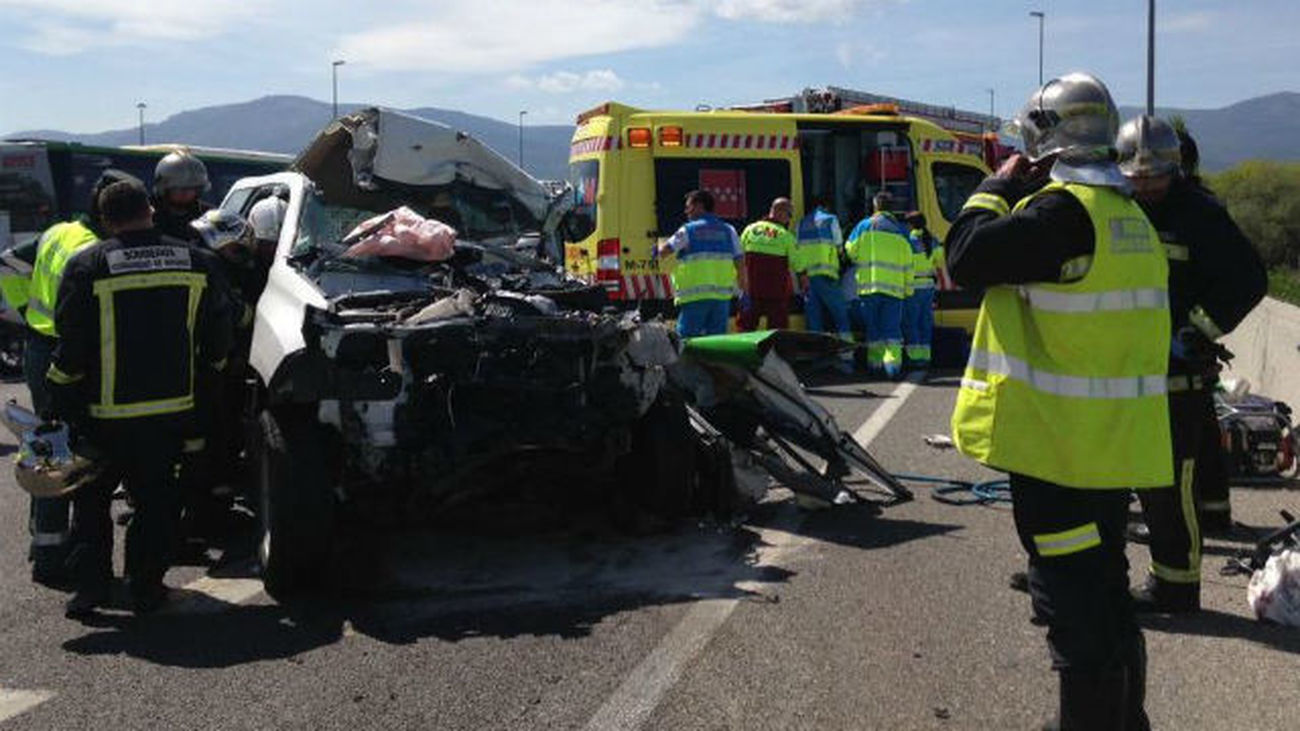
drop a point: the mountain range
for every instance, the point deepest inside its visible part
(1259, 128)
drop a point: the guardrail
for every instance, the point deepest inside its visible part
(1267, 349)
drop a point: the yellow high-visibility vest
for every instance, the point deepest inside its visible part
(1066, 382)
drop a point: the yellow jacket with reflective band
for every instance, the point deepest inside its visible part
(767, 237)
(706, 268)
(817, 253)
(57, 246)
(15, 288)
(1066, 382)
(923, 264)
(882, 260)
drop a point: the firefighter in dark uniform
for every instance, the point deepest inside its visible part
(1065, 385)
(1215, 279)
(179, 181)
(48, 523)
(1214, 511)
(139, 315)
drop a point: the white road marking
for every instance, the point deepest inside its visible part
(16, 702)
(875, 423)
(646, 685)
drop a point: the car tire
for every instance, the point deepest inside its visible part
(296, 502)
(659, 472)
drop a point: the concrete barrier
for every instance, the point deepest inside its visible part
(1265, 344)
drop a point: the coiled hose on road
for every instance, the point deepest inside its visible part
(961, 492)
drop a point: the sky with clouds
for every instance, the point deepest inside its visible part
(82, 65)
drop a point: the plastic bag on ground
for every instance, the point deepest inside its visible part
(402, 233)
(1274, 591)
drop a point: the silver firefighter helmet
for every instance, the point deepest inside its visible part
(1149, 147)
(1073, 116)
(180, 170)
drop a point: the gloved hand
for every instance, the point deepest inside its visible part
(1191, 345)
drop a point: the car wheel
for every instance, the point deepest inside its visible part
(659, 472)
(296, 502)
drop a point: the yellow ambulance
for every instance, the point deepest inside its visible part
(630, 169)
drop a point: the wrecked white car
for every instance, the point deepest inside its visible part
(392, 386)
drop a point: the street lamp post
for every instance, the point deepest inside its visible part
(140, 106)
(1151, 58)
(522, 112)
(1039, 14)
(334, 74)
(992, 115)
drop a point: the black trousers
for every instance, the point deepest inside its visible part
(1170, 512)
(48, 517)
(1078, 573)
(1211, 486)
(145, 455)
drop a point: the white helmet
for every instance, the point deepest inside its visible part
(220, 229)
(47, 466)
(266, 217)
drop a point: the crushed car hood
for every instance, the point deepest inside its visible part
(378, 147)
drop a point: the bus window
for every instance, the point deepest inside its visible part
(87, 167)
(26, 189)
(742, 189)
(953, 184)
(584, 176)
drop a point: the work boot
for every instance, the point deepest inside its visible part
(1138, 533)
(1166, 597)
(1019, 581)
(84, 603)
(149, 599)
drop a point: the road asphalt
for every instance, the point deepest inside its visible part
(833, 619)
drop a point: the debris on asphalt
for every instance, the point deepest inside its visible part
(939, 441)
(1274, 591)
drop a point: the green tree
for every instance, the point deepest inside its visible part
(1264, 198)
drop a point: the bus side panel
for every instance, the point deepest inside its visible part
(645, 276)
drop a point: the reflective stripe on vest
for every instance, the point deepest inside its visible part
(706, 268)
(815, 252)
(57, 246)
(1112, 301)
(883, 258)
(105, 291)
(1066, 382)
(1062, 385)
(767, 237)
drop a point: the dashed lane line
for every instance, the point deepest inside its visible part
(14, 702)
(645, 686)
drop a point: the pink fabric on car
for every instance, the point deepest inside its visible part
(403, 233)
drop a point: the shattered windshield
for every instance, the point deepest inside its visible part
(322, 227)
(477, 214)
